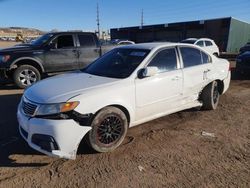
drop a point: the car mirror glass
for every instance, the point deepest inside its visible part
(147, 72)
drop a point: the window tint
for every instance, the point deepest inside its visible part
(64, 41)
(165, 60)
(208, 43)
(190, 56)
(86, 40)
(117, 63)
(205, 58)
(200, 43)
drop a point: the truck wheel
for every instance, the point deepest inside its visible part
(26, 75)
(210, 96)
(109, 129)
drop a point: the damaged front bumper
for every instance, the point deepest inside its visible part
(58, 138)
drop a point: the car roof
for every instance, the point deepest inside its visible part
(153, 45)
(69, 32)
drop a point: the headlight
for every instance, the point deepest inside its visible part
(4, 58)
(50, 109)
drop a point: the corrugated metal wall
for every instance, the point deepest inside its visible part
(239, 35)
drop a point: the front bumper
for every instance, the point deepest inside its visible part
(226, 82)
(58, 138)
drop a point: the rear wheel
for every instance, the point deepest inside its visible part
(26, 75)
(109, 129)
(216, 54)
(210, 96)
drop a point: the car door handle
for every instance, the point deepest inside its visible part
(176, 78)
(206, 71)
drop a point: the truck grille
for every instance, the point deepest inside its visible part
(29, 108)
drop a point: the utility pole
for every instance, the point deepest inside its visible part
(98, 20)
(142, 18)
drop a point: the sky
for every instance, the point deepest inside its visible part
(81, 14)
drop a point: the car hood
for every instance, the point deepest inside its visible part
(63, 87)
(17, 48)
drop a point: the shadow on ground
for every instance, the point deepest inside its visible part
(10, 141)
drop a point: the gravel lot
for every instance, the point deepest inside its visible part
(167, 152)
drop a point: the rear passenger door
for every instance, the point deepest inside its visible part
(88, 49)
(197, 69)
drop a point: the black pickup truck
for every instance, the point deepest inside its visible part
(52, 52)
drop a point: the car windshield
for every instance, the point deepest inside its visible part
(118, 63)
(41, 40)
(188, 41)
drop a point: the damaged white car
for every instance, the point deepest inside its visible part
(128, 86)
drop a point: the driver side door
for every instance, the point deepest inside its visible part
(63, 56)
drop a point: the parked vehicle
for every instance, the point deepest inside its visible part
(245, 48)
(205, 43)
(127, 86)
(243, 62)
(53, 52)
(122, 42)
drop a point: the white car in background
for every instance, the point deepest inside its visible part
(205, 43)
(127, 86)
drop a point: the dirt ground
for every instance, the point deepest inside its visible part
(6, 44)
(167, 152)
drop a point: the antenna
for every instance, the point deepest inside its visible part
(142, 18)
(98, 20)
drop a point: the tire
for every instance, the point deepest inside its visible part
(216, 54)
(26, 75)
(109, 128)
(210, 96)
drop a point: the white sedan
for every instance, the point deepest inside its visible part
(127, 86)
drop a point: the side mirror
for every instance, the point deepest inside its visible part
(52, 45)
(147, 72)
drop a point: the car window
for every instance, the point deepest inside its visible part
(64, 41)
(208, 43)
(200, 43)
(165, 60)
(117, 63)
(191, 56)
(124, 43)
(86, 40)
(205, 58)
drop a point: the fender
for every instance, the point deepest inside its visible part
(13, 64)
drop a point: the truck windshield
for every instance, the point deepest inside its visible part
(118, 63)
(41, 40)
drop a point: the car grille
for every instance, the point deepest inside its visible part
(29, 108)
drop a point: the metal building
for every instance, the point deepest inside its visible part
(228, 33)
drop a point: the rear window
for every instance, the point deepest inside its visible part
(191, 56)
(205, 58)
(86, 40)
(208, 43)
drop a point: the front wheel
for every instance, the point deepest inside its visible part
(26, 75)
(210, 96)
(109, 129)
